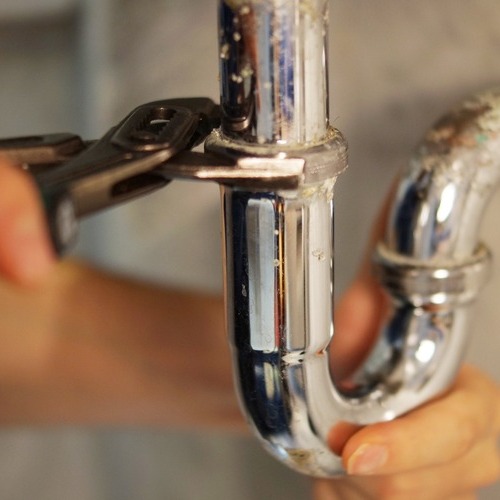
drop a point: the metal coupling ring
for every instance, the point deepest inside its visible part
(323, 160)
(428, 283)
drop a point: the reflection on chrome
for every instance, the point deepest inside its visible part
(278, 242)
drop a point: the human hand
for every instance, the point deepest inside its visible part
(445, 449)
(79, 345)
(26, 254)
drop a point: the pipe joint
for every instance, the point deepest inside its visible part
(322, 161)
(424, 283)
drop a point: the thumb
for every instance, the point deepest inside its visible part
(26, 254)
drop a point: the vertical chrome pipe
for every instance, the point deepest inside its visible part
(278, 242)
(273, 71)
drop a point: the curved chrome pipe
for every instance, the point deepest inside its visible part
(279, 242)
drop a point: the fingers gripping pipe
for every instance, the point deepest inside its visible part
(279, 242)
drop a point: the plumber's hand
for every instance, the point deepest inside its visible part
(26, 255)
(446, 449)
(78, 345)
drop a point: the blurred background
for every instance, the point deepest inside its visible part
(80, 65)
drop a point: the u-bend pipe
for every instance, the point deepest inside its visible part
(279, 242)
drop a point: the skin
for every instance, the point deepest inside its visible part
(81, 346)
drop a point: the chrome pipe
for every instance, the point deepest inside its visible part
(273, 71)
(278, 242)
(430, 259)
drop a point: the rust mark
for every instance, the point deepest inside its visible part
(300, 456)
(460, 128)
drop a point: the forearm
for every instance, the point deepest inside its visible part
(95, 349)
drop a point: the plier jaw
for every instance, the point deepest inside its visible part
(77, 178)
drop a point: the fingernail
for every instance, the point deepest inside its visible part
(367, 459)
